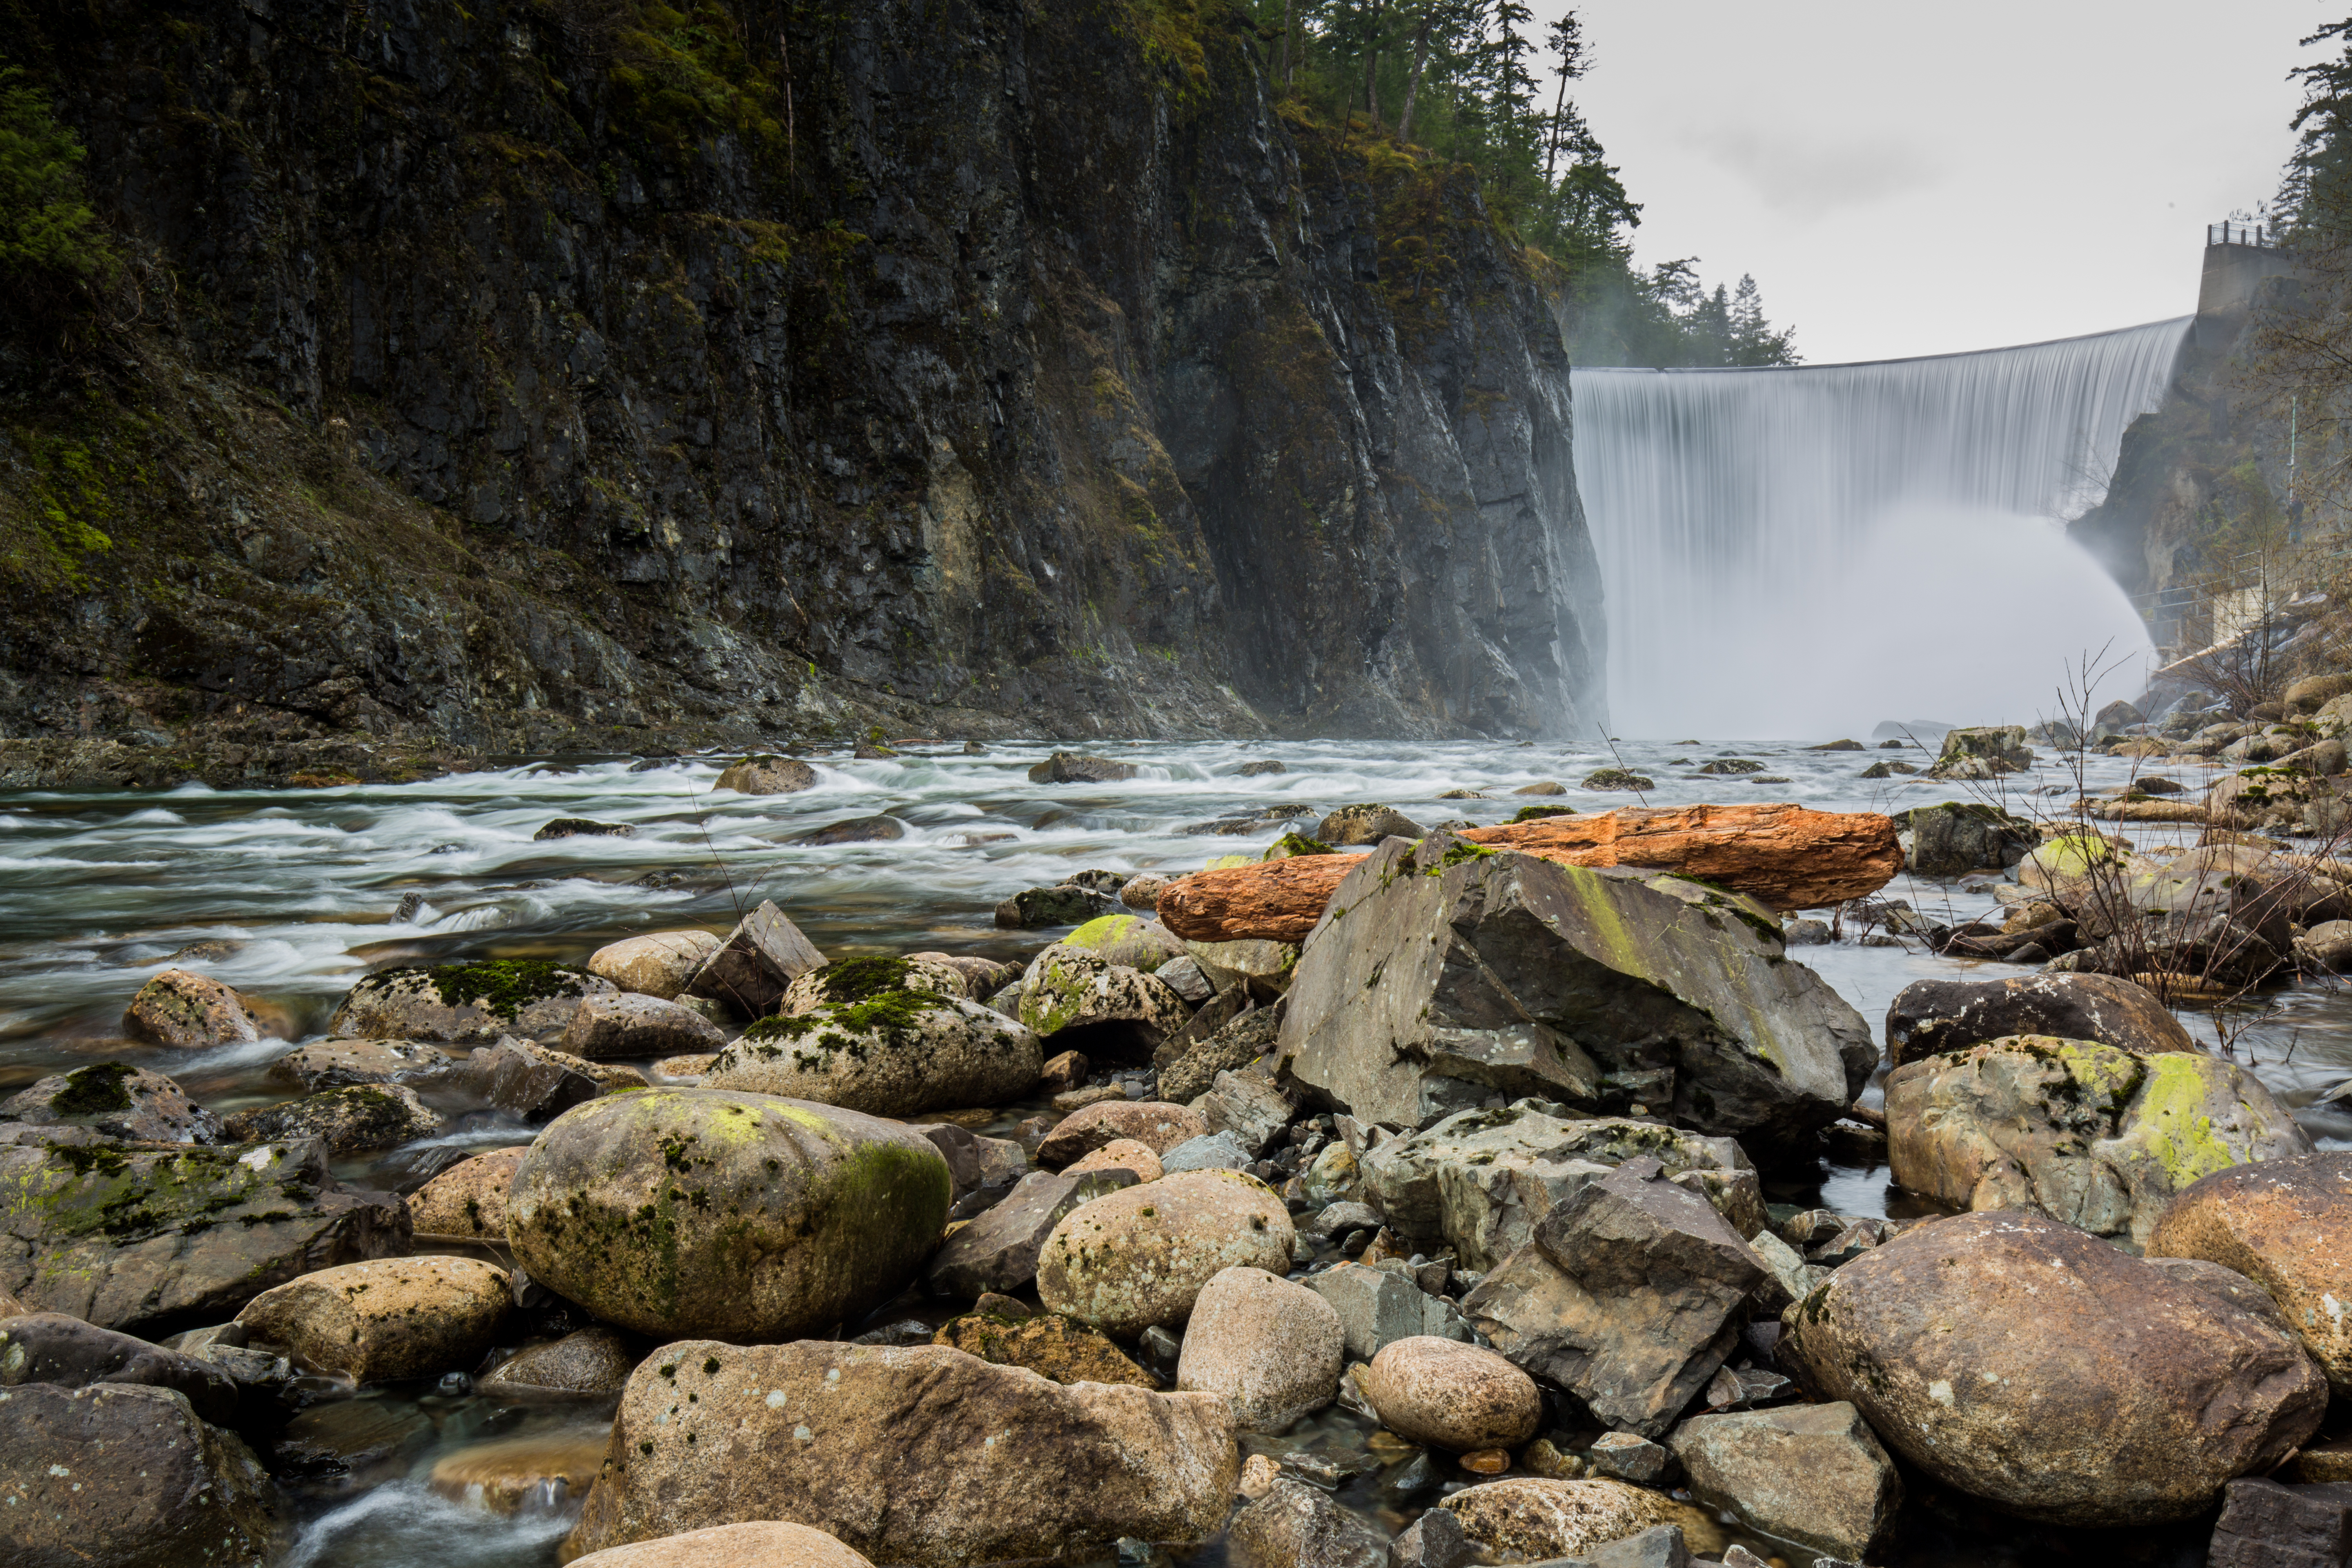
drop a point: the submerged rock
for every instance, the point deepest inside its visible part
(188, 1011)
(767, 775)
(507, 1474)
(1596, 986)
(116, 1101)
(2026, 1363)
(469, 1004)
(684, 1211)
(137, 1238)
(924, 1456)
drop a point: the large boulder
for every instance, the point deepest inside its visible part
(1813, 1474)
(998, 1251)
(1984, 753)
(2286, 1224)
(1076, 767)
(1954, 837)
(50, 1347)
(188, 1011)
(754, 965)
(766, 775)
(1479, 1181)
(467, 1004)
(1601, 987)
(765, 1543)
(896, 1052)
(1126, 940)
(1137, 1259)
(704, 1211)
(386, 1320)
(1451, 1395)
(924, 1456)
(1273, 1349)
(127, 1476)
(1930, 1017)
(606, 1028)
(115, 1101)
(1630, 1296)
(1080, 1000)
(355, 1121)
(1532, 1520)
(2086, 1133)
(658, 964)
(140, 1238)
(2028, 1363)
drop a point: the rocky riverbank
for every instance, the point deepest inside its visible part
(1354, 1250)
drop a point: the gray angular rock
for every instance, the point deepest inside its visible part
(974, 1161)
(1251, 1109)
(1813, 1474)
(50, 1347)
(1185, 976)
(1377, 1308)
(116, 1101)
(610, 1028)
(1299, 1526)
(1210, 1151)
(1630, 1296)
(998, 1250)
(762, 955)
(1957, 836)
(1600, 988)
(1629, 1456)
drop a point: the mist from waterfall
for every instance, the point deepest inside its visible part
(1807, 550)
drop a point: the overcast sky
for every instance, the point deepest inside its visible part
(1906, 178)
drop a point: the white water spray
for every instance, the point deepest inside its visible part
(1791, 551)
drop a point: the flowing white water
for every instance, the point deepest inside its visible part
(1814, 549)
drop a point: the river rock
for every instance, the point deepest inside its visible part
(863, 979)
(1228, 1047)
(1210, 1151)
(126, 1477)
(2028, 1363)
(1122, 1152)
(1597, 986)
(347, 1121)
(686, 1211)
(1076, 767)
(757, 962)
(342, 1064)
(1156, 1124)
(1451, 1395)
(974, 1161)
(1127, 939)
(1263, 969)
(1186, 978)
(923, 1455)
(1295, 1525)
(766, 775)
(1137, 1259)
(1047, 1344)
(998, 1250)
(2086, 1133)
(897, 1054)
(605, 1076)
(134, 1237)
(386, 1320)
(467, 1004)
(1929, 1017)
(507, 1474)
(1272, 1349)
(188, 1011)
(604, 1028)
(2286, 1224)
(1532, 1520)
(1957, 836)
(534, 1083)
(593, 1361)
(116, 1101)
(1079, 999)
(1479, 1181)
(50, 1347)
(1376, 1307)
(855, 830)
(766, 1543)
(1352, 825)
(1813, 1474)
(658, 964)
(1064, 904)
(1630, 1296)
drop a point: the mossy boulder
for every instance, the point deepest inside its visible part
(115, 1100)
(1125, 939)
(1955, 837)
(706, 1211)
(470, 1004)
(351, 1120)
(154, 1240)
(1081, 1000)
(1606, 780)
(188, 1011)
(2087, 1133)
(896, 1053)
(862, 979)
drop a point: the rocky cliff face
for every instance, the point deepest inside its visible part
(590, 374)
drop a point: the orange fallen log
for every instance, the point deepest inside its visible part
(1783, 855)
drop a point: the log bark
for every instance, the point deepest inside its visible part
(1783, 855)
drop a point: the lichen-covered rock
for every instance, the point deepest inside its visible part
(1126, 940)
(1047, 1344)
(1451, 1395)
(862, 979)
(188, 1011)
(340, 1064)
(1352, 825)
(1930, 1017)
(347, 1121)
(117, 1102)
(2027, 1362)
(1273, 1348)
(1156, 1124)
(925, 1457)
(1137, 1259)
(686, 1211)
(389, 1318)
(1236, 1043)
(1479, 1181)
(764, 1543)
(1983, 753)
(2286, 1224)
(132, 1238)
(1063, 904)
(127, 1476)
(592, 1360)
(1813, 1474)
(766, 775)
(467, 1004)
(604, 1028)
(1532, 1520)
(896, 1053)
(658, 964)
(2086, 1133)
(1596, 986)
(1074, 997)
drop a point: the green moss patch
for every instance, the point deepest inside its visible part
(94, 1090)
(501, 987)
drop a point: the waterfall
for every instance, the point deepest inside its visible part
(1791, 552)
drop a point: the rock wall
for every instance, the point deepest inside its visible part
(590, 374)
